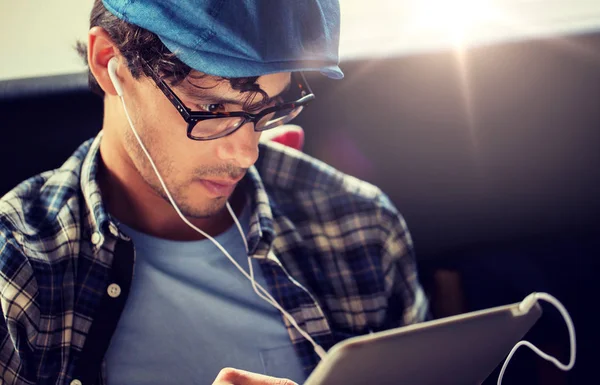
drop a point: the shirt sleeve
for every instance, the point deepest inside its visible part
(18, 311)
(407, 302)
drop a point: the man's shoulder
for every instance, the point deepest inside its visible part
(37, 210)
(287, 171)
(35, 203)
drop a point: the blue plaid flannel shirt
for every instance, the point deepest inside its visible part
(335, 252)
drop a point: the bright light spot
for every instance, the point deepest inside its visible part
(453, 18)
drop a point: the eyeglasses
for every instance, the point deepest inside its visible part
(204, 125)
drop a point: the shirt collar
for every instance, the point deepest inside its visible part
(98, 219)
(262, 230)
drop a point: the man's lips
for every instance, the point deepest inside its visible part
(220, 187)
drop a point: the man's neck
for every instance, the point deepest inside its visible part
(131, 201)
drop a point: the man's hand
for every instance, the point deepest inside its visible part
(230, 376)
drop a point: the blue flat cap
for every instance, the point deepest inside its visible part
(242, 38)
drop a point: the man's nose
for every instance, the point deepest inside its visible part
(241, 147)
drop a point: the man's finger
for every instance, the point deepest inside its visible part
(231, 376)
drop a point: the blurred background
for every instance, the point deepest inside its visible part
(37, 36)
(479, 118)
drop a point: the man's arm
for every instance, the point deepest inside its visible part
(16, 282)
(407, 303)
(11, 366)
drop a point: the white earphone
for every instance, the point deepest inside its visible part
(112, 73)
(525, 305)
(258, 289)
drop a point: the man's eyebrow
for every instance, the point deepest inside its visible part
(204, 94)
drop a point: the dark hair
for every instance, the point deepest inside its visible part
(138, 45)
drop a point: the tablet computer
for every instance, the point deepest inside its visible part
(458, 350)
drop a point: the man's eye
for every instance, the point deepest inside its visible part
(212, 107)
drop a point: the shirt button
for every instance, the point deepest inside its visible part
(96, 238)
(114, 290)
(113, 229)
(75, 382)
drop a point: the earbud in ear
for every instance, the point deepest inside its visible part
(112, 73)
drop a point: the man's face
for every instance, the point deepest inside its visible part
(200, 175)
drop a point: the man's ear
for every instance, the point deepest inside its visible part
(100, 50)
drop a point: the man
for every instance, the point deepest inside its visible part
(167, 249)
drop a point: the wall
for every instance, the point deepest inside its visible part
(37, 37)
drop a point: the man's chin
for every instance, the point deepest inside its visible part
(205, 210)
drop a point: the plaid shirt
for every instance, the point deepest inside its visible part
(334, 251)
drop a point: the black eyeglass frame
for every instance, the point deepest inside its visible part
(193, 117)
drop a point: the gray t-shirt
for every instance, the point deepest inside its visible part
(192, 311)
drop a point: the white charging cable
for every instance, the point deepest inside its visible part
(260, 291)
(525, 306)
